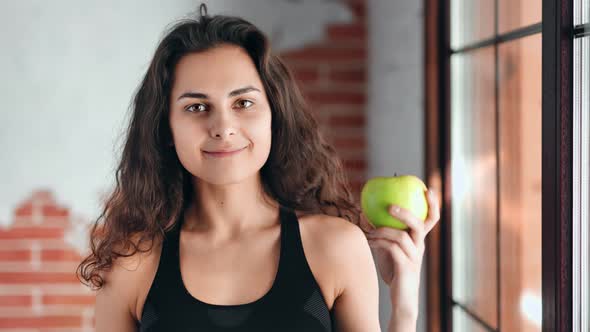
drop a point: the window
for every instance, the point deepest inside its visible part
(495, 157)
(508, 118)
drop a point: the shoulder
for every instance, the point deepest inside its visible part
(128, 281)
(339, 242)
(331, 230)
(345, 251)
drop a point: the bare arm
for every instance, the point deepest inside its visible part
(357, 306)
(115, 302)
(120, 302)
(401, 323)
(398, 254)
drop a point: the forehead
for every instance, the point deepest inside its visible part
(223, 68)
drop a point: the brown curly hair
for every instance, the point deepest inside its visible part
(152, 188)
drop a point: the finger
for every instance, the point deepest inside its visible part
(433, 211)
(400, 237)
(396, 252)
(415, 225)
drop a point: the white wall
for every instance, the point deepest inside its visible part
(69, 69)
(396, 102)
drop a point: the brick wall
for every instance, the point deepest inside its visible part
(332, 75)
(38, 287)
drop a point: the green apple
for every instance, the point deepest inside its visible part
(406, 191)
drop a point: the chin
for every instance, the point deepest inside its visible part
(223, 178)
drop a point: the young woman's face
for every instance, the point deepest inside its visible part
(218, 104)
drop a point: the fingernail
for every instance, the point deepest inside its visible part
(394, 208)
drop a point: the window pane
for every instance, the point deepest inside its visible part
(514, 14)
(471, 21)
(520, 184)
(581, 184)
(581, 12)
(462, 322)
(473, 164)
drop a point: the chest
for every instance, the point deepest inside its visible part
(217, 274)
(243, 271)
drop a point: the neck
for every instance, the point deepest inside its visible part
(225, 211)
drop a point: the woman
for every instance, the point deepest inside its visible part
(230, 212)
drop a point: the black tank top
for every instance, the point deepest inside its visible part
(293, 303)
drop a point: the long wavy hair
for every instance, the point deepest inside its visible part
(152, 188)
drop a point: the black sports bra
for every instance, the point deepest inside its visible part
(294, 302)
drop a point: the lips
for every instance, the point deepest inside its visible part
(223, 153)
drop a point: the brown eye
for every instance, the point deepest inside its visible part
(196, 108)
(244, 103)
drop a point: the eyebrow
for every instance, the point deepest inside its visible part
(193, 94)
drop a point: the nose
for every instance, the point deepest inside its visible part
(222, 126)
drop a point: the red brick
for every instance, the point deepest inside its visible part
(32, 233)
(349, 132)
(348, 76)
(25, 210)
(305, 75)
(15, 255)
(350, 142)
(69, 299)
(15, 301)
(327, 97)
(59, 255)
(41, 322)
(338, 88)
(346, 32)
(341, 109)
(37, 277)
(348, 121)
(355, 164)
(54, 211)
(328, 54)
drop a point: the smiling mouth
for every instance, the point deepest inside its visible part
(223, 153)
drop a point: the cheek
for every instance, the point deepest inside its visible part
(261, 133)
(187, 136)
(260, 136)
(185, 131)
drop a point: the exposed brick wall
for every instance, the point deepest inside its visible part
(332, 75)
(39, 290)
(38, 287)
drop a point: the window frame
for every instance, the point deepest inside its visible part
(558, 33)
(557, 164)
